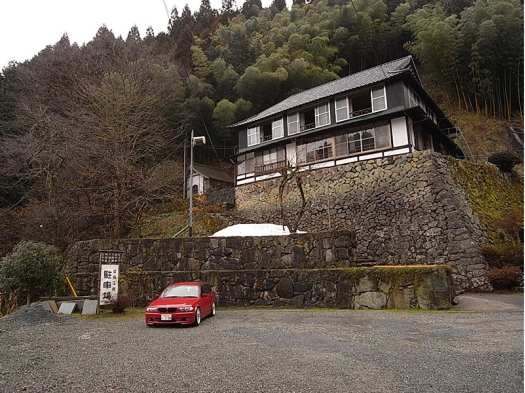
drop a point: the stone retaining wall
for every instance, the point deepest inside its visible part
(428, 287)
(222, 197)
(301, 270)
(405, 210)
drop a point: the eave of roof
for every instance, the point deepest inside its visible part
(355, 81)
(213, 173)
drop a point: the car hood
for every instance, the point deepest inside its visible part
(174, 301)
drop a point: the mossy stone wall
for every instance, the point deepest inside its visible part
(419, 208)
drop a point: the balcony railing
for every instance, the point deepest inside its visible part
(361, 112)
(269, 168)
(307, 126)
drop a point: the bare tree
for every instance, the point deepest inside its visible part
(126, 131)
(290, 174)
(98, 142)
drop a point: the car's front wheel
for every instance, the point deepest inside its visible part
(212, 314)
(197, 321)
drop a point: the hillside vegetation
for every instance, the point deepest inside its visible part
(93, 135)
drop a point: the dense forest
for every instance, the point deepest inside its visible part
(93, 135)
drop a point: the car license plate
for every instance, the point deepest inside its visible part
(165, 317)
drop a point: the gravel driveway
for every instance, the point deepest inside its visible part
(247, 350)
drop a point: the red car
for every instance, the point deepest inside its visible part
(182, 303)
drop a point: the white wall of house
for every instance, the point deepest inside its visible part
(198, 182)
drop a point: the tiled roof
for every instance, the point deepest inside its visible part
(213, 173)
(351, 82)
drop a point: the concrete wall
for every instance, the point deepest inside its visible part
(405, 209)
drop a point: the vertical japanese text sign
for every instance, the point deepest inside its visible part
(108, 279)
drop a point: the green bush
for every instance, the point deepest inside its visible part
(32, 270)
(505, 161)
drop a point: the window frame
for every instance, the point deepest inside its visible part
(347, 106)
(316, 151)
(296, 122)
(355, 142)
(253, 135)
(277, 127)
(245, 164)
(319, 115)
(270, 160)
(374, 99)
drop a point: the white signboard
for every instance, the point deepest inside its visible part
(108, 284)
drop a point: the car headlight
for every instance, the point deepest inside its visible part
(187, 308)
(151, 309)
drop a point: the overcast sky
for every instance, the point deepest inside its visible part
(28, 26)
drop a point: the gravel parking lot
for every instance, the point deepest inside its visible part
(247, 350)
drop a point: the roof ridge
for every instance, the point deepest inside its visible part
(350, 82)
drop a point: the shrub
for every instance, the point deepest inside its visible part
(504, 278)
(491, 255)
(503, 254)
(512, 224)
(119, 304)
(32, 269)
(505, 161)
(511, 254)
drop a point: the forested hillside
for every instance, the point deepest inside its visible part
(92, 136)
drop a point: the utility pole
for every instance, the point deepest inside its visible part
(194, 141)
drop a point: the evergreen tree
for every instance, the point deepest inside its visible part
(228, 10)
(31, 269)
(278, 5)
(251, 8)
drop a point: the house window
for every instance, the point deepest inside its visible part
(360, 104)
(322, 115)
(342, 109)
(341, 145)
(431, 114)
(307, 119)
(413, 99)
(266, 131)
(254, 137)
(245, 164)
(362, 141)
(382, 137)
(293, 123)
(423, 140)
(270, 161)
(277, 129)
(378, 99)
(315, 151)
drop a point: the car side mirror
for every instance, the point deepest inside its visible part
(156, 296)
(204, 295)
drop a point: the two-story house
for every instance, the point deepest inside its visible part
(378, 112)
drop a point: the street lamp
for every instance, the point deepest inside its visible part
(194, 141)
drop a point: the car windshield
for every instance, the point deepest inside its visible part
(181, 291)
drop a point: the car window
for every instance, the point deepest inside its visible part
(181, 291)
